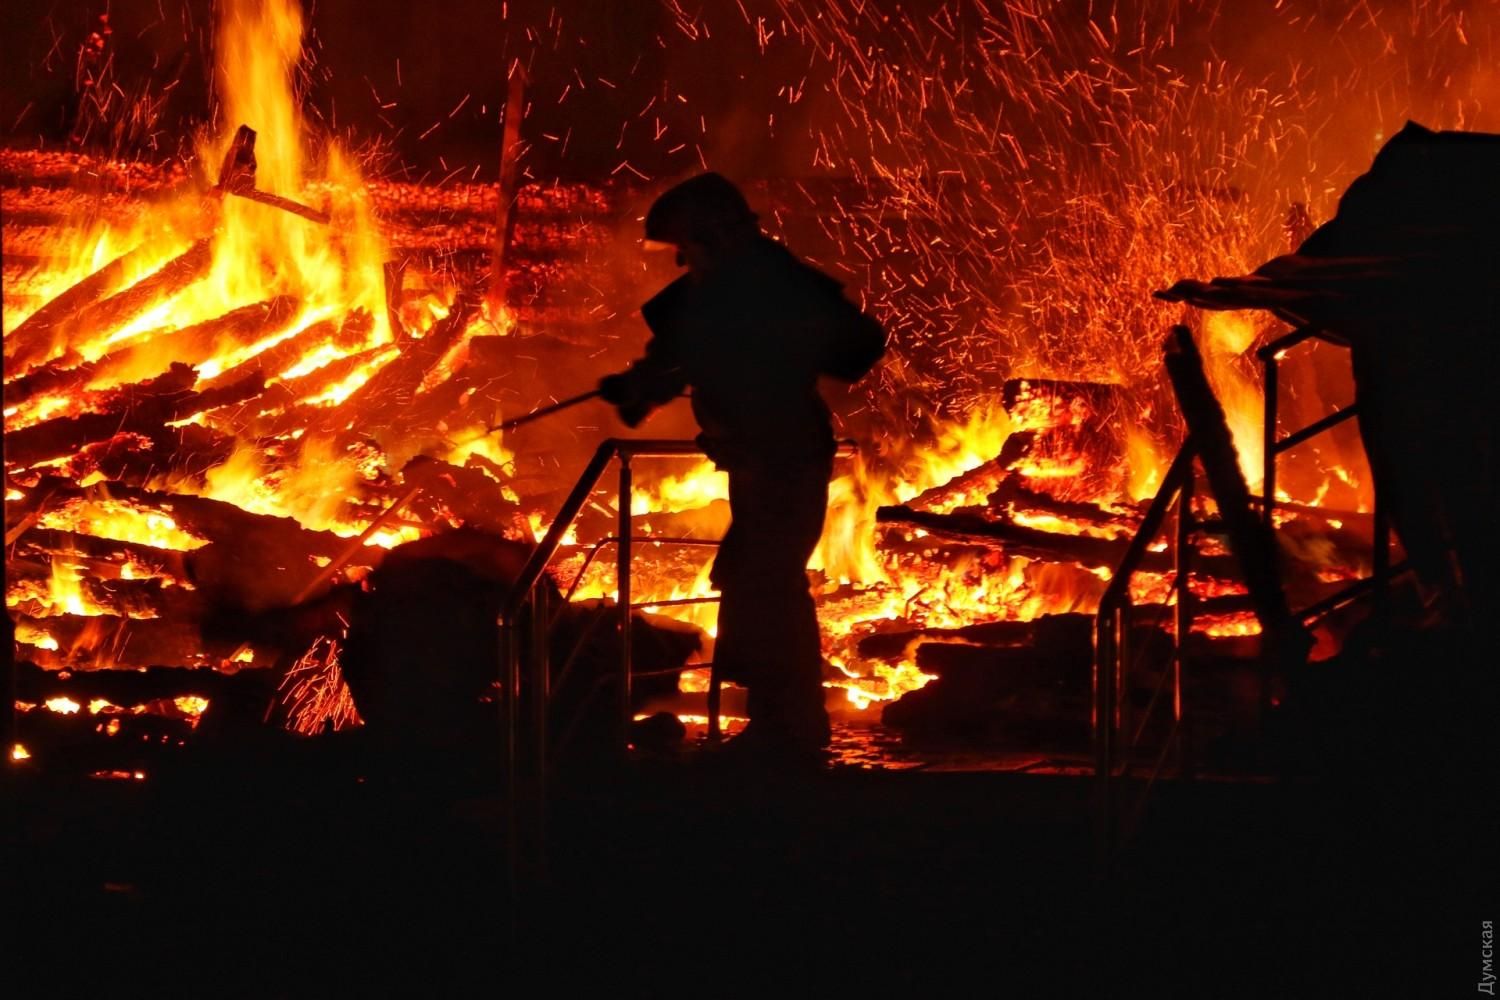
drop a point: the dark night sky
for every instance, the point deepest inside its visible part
(445, 51)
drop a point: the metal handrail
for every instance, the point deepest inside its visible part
(1111, 631)
(1112, 638)
(518, 613)
(1275, 445)
(523, 610)
(607, 451)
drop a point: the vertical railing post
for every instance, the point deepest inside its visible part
(540, 684)
(715, 701)
(1105, 655)
(510, 672)
(1268, 479)
(539, 693)
(622, 579)
(1380, 566)
(1124, 743)
(1184, 614)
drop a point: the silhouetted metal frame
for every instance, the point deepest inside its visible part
(1111, 628)
(1275, 445)
(525, 621)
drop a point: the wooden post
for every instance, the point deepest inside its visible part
(1250, 536)
(510, 156)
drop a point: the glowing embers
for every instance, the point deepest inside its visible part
(122, 521)
(313, 693)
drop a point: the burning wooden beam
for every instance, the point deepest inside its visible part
(154, 353)
(124, 306)
(38, 337)
(1086, 550)
(143, 408)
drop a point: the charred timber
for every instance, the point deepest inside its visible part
(142, 408)
(199, 342)
(37, 339)
(207, 518)
(186, 450)
(124, 306)
(89, 642)
(1013, 492)
(1085, 550)
(391, 389)
(281, 410)
(190, 345)
(135, 599)
(106, 555)
(272, 361)
(1250, 537)
(127, 688)
(465, 494)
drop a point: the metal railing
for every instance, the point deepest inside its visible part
(1275, 445)
(525, 625)
(1117, 736)
(526, 618)
(525, 676)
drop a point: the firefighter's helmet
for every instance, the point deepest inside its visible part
(695, 209)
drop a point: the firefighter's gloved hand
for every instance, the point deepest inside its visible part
(616, 389)
(624, 392)
(634, 412)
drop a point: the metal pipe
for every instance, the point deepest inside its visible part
(622, 599)
(547, 547)
(353, 548)
(1184, 613)
(715, 732)
(1156, 514)
(1104, 710)
(1123, 745)
(677, 602)
(1105, 656)
(1269, 450)
(1297, 336)
(1381, 556)
(510, 658)
(539, 681)
(541, 618)
(1315, 428)
(598, 546)
(543, 411)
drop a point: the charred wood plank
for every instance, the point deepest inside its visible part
(1052, 630)
(283, 409)
(106, 555)
(128, 688)
(143, 408)
(29, 594)
(274, 360)
(151, 354)
(1250, 538)
(87, 642)
(468, 495)
(186, 450)
(124, 306)
(38, 337)
(1085, 550)
(1014, 493)
(390, 390)
(195, 344)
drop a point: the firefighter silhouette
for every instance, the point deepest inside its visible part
(749, 329)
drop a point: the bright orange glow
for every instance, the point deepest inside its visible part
(124, 522)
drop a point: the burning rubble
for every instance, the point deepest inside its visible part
(233, 386)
